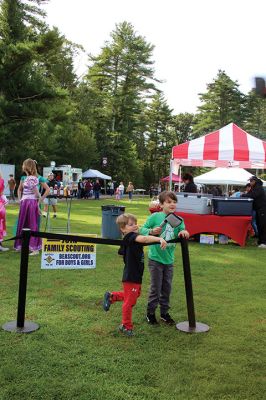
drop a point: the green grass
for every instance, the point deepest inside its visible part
(78, 353)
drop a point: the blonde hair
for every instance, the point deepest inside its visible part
(123, 219)
(29, 166)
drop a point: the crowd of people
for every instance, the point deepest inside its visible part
(88, 189)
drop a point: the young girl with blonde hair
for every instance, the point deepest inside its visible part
(29, 197)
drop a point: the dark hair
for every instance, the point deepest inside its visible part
(167, 195)
(253, 178)
(187, 176)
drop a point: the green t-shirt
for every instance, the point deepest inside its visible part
(155, 252)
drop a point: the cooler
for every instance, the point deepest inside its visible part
(193, 203)
(232, 206)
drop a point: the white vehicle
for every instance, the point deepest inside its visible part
(64, 173)
(6, 170)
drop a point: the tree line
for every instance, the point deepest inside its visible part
(116, 111)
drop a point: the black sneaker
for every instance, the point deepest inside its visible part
(107, 301)
(167, 319)
(151, 319)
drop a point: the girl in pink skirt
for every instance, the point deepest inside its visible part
(29, 213)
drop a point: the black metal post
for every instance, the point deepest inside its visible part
(23, 278)
(191, 325)
(22, 326)
(188, 284)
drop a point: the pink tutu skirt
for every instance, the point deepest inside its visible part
(29, 218)
(2, 223)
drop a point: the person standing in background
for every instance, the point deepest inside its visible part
(258, 195)
(190, 186)
(112, 188)
(121, 189)
(129, 190)
(80, 189)
(51, 201)
(97, 189)
(12, 185)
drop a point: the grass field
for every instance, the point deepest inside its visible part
(78, 353)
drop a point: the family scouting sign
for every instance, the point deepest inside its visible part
(68, 254)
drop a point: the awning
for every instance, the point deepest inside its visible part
(94, 173)
(229, 146)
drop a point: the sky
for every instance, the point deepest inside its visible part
(193, 39)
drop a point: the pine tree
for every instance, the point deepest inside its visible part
(119, 80)
(222, 103)
(30, 96)
(160, 137)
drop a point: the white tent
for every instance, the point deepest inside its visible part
(224, 176)
(93, 173)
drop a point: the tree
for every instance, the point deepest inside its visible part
(160, 137)
(222, 103)
(256, 116)
(31, 98)
(119, 80)
(182, 124)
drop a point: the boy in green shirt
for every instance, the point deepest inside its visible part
(161, 262)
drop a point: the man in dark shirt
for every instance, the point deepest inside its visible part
(97, 189)
(258, 195)
(190, 186)
(132, 251)
(51, 201)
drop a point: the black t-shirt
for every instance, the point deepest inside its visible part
(258, 195)
(53, 184)
(190, 188)
(133, 258)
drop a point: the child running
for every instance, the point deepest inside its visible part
(132, 251)
(161, 262)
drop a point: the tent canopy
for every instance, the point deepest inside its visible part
(175, 178)
(93, 173)
(224, 176)
(230, 146)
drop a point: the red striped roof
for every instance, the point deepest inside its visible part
(229, 146)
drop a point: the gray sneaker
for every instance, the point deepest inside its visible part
(125, 331)
(3, 248)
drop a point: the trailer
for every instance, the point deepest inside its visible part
(6, 170)
(64, 173)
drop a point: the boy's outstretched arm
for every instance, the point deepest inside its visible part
(151, 239)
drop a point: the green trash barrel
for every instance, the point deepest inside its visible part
(109, 214)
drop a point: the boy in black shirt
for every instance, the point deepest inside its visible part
(132, 251)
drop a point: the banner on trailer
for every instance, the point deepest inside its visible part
(68, 254)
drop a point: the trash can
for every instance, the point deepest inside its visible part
(109, 228)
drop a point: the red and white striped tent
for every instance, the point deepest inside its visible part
(230, 146)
